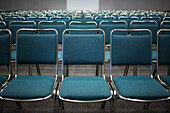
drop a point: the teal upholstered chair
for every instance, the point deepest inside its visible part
(163, 55)
(99, 19)
(65, 19)
(60, 26)
(82, 19)
(2, 25)
(82, 25)
(165, 25)
(5, 56)
(166, 19)
(157, 19)
(37, 20)
(107, 27)
(9, 19)
(135, 88)
(83, 49)
(33, 49)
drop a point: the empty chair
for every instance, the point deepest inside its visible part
(83, 49)
(5, 56)
(65, 19)
(99, 19)
(165, 25)
(37, 20)
(83, 25)
(166, 19)
(157, 19)
(9, 19)
(135, 88)
(33, 49)
(128, 20)
(107, 27)
(82, 19)
(163, 55)
(2, 26)
(60, 26)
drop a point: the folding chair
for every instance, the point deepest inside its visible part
(107, 27)
(83, 49)
(163, 48)
(33, 49)
(5, 56)
(60, 26)
(143, 89)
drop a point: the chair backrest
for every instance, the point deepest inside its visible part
(108, 26)
(2, 26)
(36, 48)
(37, 20)
(65, 19)
(151, 25)
(9, 19)
(163, 47)
(5, 47)
(83, 25)
(166, 19)
(60, 26)
(83, 48)
(99, 19)
(14, 26)
(85, 19)
(131, 49)
(165, 25)
(128, 20)
(157, 19)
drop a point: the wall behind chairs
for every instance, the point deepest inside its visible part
(103, 4)
(135, 4)
(32, 4)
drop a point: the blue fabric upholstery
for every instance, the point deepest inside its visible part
(84, 88)
(8, 20)
(66, 20)
(59, 55)
(83, 26)
(158, 20)
(37, 20)
(109, 26)
(15, 27)
(140, 87)
(13, 54)
(107, 55)
(4, 49)
(163, 50)
(60, 27)
(128, 20)
(154, 55)
(36, 49)
(2, 79)
(82, 19)
(98, 20)
(166, 79)
(2, 26)
(131, 50)
(146, 25)
(166, 25)
(29, 87)
(83, 49)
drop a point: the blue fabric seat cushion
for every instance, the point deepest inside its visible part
(166, 79)
(140, 87)
(154, 55)
(59, 55)
(28, 87)
(84, 88)
(107, 55)
(2, 79)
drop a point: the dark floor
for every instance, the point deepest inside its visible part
(48, 105)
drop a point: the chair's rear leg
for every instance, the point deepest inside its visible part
(19, 105)
(135, 70)
(30, 70)
(126, 70)
(103, 104)
(97, 70)
(38, 69)
(1, 106)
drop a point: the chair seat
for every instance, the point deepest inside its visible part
(107, 55)
(154, 55)
(84, 88)
(59, 55)
(28, 87)
(140, 87)
(166, 80)
(2, 79)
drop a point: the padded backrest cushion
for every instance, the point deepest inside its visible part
(83, 27)
(164, 48)
(4, 49)
(131, 50)
(83, 49)
(36, 49)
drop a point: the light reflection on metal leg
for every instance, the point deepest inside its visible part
(154, 71)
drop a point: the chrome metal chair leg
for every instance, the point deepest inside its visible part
(103, 104)
(38, 69)
(19, 105)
